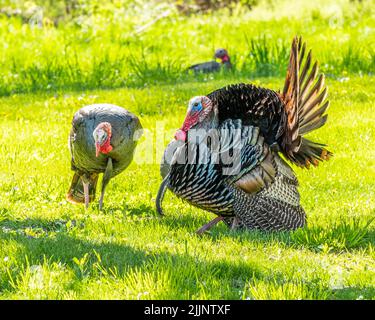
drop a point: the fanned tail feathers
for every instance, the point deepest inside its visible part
(304, 98)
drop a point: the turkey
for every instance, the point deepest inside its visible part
(226, 158)
(102, 140)
(213, 66)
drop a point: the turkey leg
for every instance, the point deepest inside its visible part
(86, 192)
(209, 225)
(235, 223)
(160, 195)
(106, 177)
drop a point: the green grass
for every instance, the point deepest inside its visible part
(117, 44)
(51, 249)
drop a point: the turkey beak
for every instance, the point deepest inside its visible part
(97, 147)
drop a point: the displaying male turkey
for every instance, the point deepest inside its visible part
(213, 66)
(102, 140)
(249, 126)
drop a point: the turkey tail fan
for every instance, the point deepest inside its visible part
(76, 194)
(310, 153)
(304, 98)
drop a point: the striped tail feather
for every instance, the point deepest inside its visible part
(304, 96)
(76, 194)
(310, 153)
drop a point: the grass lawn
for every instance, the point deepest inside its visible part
(51, 249)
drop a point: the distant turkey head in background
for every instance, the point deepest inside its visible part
(201, 114)
(223, 55)
(102, 137)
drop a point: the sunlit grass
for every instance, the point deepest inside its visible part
(103, 48)
(51, 249)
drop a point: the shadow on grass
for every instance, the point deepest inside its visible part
(127, 210)
(342, 235)
(353, 293)
(57, 245)
(187, 272)
(153, 78)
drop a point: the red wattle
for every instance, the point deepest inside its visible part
(190, 120)
(180, 135)
(105, 148)
(225, 59)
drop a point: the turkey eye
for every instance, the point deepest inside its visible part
(195, 104)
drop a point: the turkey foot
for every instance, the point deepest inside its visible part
(106, 177)
(209, 225)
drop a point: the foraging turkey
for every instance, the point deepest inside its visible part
(102, 140)
(249, 126)
(213, 66)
